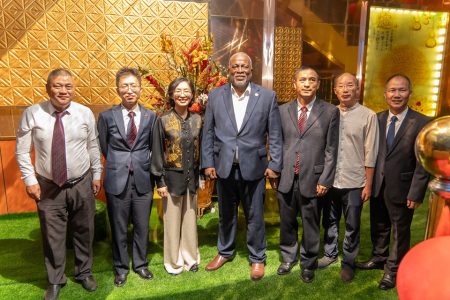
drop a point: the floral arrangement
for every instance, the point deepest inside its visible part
(193, 62)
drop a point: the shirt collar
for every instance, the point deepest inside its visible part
(344, 108)
(400, 117)
(52, 109)
(125, 111)
(309, 106)
(245, 94)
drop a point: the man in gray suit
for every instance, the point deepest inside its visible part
(310, 140)
(399, 183)
(241, 118)
(125, 134)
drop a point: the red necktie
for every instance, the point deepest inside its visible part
(59, 165)
(301, 126)
(132, 130)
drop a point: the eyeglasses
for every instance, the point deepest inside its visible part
(182, 92)
(133, 87)
(349, 86)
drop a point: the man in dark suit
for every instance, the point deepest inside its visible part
(240, 119)
(310, 140)
(399, 183)
(125, 134)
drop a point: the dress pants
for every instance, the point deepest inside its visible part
(290, 205)
(350, 203)
(180, 233)
(231, 191)
(384, 216)
(130, 204)
(58, 206)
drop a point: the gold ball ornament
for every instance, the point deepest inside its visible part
(433, 152)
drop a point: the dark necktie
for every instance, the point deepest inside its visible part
(301, 127)
(132, 130)
(391, 133)
(59, 165)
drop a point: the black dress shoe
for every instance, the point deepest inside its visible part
(387, 282)
(370, 264)
(120, 279)
(52, 291)
(194, 268)
(89, 283)
(307, 275)
(285, 268)
(347, 274)
(145, 274)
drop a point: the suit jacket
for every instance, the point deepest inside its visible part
(317, 145)
(261, 125)
(402, 174)
(120, 155)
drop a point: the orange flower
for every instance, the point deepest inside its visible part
(193, 62)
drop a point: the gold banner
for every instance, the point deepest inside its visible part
(410, 42)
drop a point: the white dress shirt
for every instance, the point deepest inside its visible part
(240, 104)
(126, 117)
(309, 106)
(400, 118)
(240, 107)
(36, 129)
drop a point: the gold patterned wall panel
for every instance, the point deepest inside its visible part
(288, 57)
(93, 38)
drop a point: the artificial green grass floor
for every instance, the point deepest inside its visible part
(22, 272)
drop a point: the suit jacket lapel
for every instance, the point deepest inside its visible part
(253, 99)
(407, 122)
(315, 113)
(118, 118)
(145, 117)
(383, 121)
(293, 113)
(228, 102)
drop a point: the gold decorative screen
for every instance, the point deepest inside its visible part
(288, 57)
(92, 38)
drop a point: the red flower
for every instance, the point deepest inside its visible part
(195, 107)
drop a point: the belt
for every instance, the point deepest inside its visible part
(69, 183)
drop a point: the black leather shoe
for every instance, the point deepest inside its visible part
(89, 283)
(120, 279)
(145, 274)
(307, 275)
(285, 268)
(52, 291)
(370, 264)
(194, 268)
(347, 274)
(387, 282)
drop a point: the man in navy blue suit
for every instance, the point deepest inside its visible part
(125, 134)
(241, 118)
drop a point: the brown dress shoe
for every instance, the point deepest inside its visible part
(217, 262)
(257, 271)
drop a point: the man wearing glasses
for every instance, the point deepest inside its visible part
(357, 154)
(125, 134)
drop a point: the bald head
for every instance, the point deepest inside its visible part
(240, 55)
(346, 89)
(240, 71)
